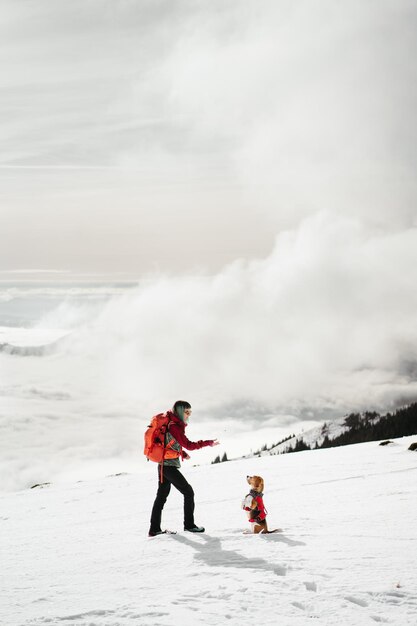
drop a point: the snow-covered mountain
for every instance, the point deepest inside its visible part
(352, 428)
(310, 437)
(79, 554)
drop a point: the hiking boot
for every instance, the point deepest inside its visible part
(154, 533)
(195, 529)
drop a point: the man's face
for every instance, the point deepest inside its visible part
(187, 413)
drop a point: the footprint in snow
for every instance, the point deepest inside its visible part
(357, 601)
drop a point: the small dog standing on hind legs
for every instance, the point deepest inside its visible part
(254, 505)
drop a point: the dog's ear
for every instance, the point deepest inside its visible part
(259, 483)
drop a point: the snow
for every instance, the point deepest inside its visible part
(30, 336)
(79, 554)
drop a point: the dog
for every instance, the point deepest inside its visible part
(254, 505)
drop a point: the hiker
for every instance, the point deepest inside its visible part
(169, 474)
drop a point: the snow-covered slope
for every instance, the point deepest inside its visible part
(332, 429)
(79, 554)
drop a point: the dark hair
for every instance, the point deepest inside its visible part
(181, 404)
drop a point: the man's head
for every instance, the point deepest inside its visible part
(183, 410)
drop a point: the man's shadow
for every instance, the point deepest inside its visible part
(212, 553)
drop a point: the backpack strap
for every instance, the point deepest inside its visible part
(166, 446)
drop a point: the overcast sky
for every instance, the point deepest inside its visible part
(141, 136)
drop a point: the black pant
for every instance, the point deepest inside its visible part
(172, 476)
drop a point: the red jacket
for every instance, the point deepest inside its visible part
(258, 514)
(177, 430)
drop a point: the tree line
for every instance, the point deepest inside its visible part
(368, 426)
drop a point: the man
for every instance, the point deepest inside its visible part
(171, 475)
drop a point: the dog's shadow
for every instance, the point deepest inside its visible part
(281, 539)
(212, 554)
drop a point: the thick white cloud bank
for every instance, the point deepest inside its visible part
(322, 325)
(329, 311)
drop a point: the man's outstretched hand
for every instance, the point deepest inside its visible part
(215, 443)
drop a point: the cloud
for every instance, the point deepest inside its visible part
(333, 303)
(322, 325)
(153, 121)
(311, 102)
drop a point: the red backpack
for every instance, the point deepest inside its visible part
(156, 448)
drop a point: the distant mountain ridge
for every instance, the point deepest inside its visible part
(350, 429)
